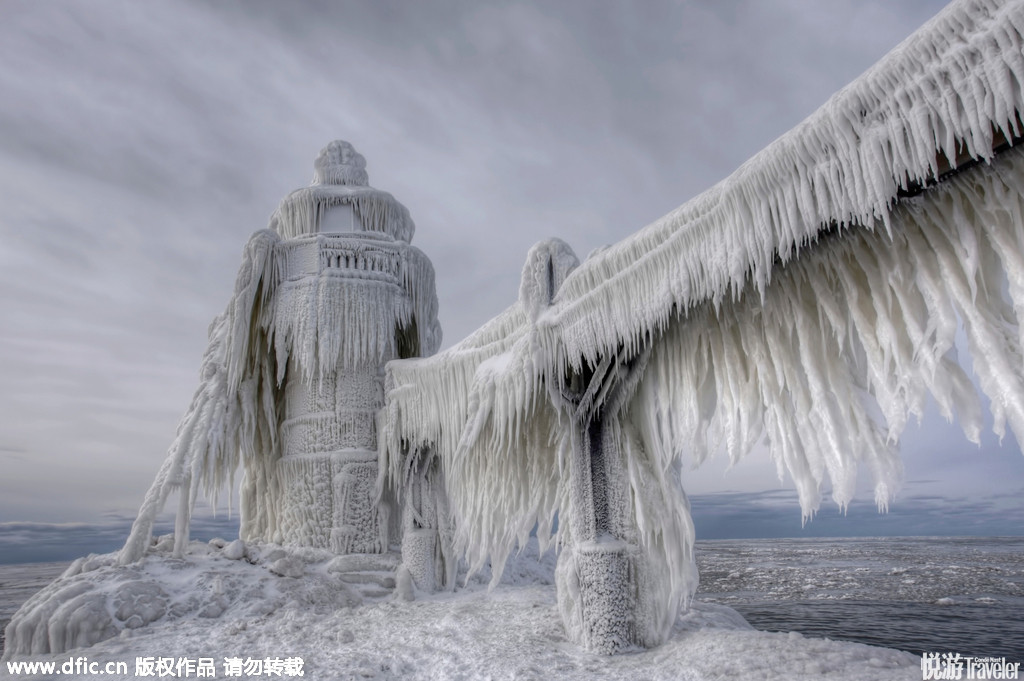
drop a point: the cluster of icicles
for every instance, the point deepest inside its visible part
(274, 321)
(799, 302)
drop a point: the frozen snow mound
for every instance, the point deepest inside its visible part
(510, 632)
(514, 633)
(97, 599)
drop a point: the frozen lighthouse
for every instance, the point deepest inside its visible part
(806, 306)
(293, 376)
(345, 304)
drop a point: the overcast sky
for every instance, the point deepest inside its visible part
(142, 143)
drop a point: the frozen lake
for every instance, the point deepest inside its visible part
(19, 582)
(921, 594)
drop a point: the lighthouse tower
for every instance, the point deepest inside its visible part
(351, 295)
(293, 374)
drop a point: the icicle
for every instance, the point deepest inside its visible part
(844, 165)
(301, 211)
(293, 304)
(825, 364)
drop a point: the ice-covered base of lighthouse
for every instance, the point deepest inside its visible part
(328, 469)
(215, 603)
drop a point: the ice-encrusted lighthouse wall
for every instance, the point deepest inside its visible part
(293, 375)
(347, 284)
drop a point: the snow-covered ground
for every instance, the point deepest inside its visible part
(210, 606)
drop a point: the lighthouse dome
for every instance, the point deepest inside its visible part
(341, 200)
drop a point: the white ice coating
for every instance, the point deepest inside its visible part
(950, 87)
(322, 309)
(806, 301)
(505, 453)
(340, 179)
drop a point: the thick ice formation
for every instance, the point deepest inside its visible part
(97, 599)
(810, 299)
(507, 455)
(290, 382)
(952, 89)
(220, 608)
